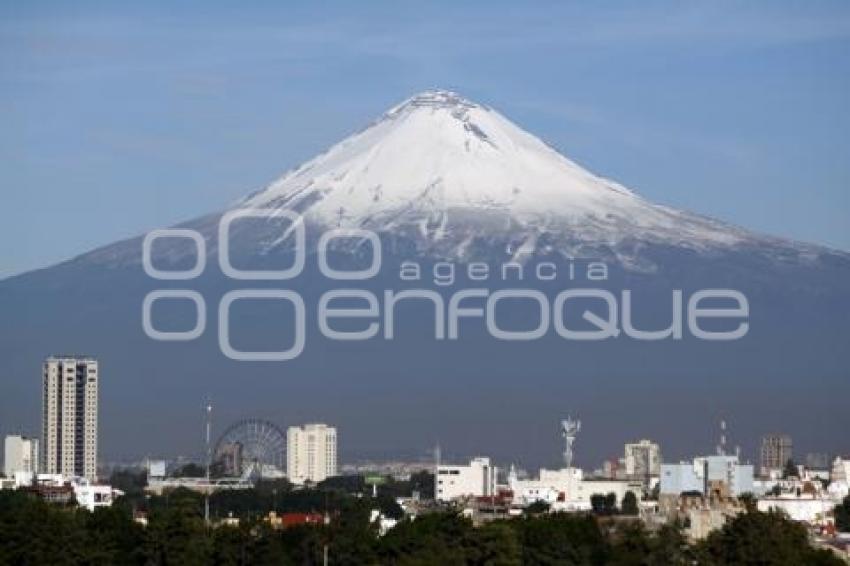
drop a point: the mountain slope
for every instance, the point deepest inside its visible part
(461, 181)
(443, 178)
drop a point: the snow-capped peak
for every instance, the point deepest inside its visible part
(457, 169)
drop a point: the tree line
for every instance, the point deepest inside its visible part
(34, 532)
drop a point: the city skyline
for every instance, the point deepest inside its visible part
(434, 283)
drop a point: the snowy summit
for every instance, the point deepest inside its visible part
(451, 171)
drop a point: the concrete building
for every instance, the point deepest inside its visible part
(568, 490)
(839, 477)
(808, 508)
(478, 479)
(231, 459)
(20, 456)
(642, 460)
(91, 496)
(776, 450)
(840, 470)
(156, 469)
(87, 494)
(720, 476)
(311, 453)
(69, 416)
(551, 486)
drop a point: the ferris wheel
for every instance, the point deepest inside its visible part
(252, 447)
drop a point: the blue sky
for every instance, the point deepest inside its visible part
(115, 120)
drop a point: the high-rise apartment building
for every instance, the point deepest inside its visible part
(21, 455)
(69, 416)
(642, 460)
(775, 453)
(310, 453)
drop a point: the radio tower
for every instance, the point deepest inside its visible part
(569, 430)
(721, 447)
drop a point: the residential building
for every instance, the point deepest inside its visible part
(840, 470)
(642, 460)
(776, 450)
(91, 496)
(478, 479)
(56, 488)
(311, 453)
(21, 456)
(230, 458)
(721, 476)
(69, 416)
(839, 478)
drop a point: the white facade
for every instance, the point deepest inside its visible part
(810, 509)
(311, 453)
(642, 459)
(550, 487)
(91, 496)
(840, 470)
(567, 489)
(478, 479)
(20, 456)
(156, 469)
(69, 416)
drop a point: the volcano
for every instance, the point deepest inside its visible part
(446, 181)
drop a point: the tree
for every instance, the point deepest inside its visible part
(670, 547)
(631, 544)
(762, 538)
(597, 503)
(561, 538)
(842, 515)
(604, 504)
(539, 507)
(178, 535)
(494, 543)
(749, 501)
(629, 504)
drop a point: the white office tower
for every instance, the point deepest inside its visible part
(69, 416)
(20, 456)
(310, 453)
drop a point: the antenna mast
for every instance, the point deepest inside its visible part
(721, 448)
(209, 461)
(569, 430)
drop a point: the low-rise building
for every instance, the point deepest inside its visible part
(56, 488)
(809, 508)
(92, 496)
(567, 489)
(478, 479)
